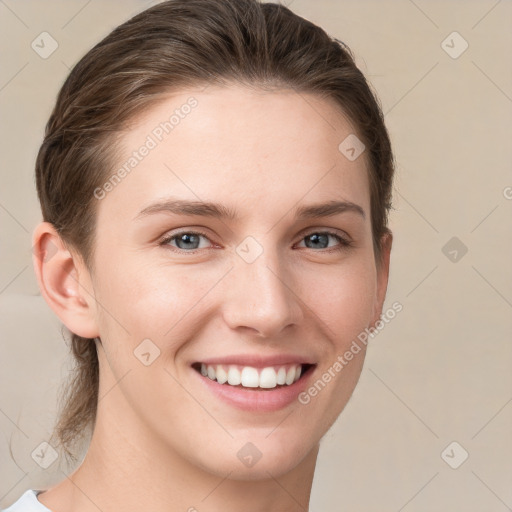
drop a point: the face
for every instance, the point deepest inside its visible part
(250, 289)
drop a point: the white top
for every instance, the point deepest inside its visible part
(28, 502)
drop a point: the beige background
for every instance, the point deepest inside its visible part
(441, 370)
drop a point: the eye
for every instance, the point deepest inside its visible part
(189, 241)
(319, 239)
(185, 240)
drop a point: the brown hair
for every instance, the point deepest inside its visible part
(169, 46)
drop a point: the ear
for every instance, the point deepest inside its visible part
(386, 242)
(64, 281)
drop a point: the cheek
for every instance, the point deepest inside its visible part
(343, 297)
(159, 302)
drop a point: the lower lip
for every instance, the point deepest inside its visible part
(257, 399)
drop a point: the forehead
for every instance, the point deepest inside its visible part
(239, 146)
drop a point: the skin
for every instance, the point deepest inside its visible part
(162, 443)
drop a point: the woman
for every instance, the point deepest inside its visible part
(214, 180)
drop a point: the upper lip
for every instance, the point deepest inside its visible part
(257, 360)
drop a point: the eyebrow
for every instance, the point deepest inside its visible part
(217, 210)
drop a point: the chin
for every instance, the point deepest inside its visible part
(259, 457)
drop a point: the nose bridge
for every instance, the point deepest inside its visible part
(261, 292)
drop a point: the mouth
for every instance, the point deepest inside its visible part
(268, 378)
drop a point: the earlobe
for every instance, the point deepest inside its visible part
(64, 281)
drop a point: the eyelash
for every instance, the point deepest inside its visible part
(343, 242)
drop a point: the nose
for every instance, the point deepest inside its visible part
(261, 297)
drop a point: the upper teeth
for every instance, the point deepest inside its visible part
(250, 377)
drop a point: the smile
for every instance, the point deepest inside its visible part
(269, 377)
